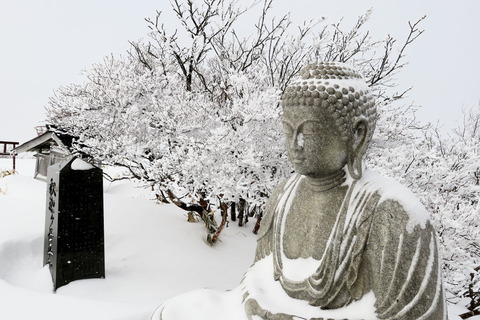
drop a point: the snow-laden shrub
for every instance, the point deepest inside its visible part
(197, 116)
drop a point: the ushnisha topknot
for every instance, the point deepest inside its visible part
(338, 88)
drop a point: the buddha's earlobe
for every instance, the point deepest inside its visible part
(357, 147)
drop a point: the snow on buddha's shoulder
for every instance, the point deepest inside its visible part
(390, 189)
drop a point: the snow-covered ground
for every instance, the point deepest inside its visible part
(151, 253)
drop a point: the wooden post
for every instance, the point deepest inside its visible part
(4, 153)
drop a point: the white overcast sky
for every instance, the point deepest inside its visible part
(47, 43)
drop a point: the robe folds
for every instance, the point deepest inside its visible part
(380, 262)
(382, 243)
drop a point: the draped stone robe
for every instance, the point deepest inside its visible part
(382, 242)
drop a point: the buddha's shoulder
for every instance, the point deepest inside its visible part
(283, 186)
(272, 203)
(395, 204)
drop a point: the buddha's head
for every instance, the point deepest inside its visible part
(329, 117)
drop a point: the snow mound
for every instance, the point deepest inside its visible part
(22, 265)
(79, 164)
(151, 254)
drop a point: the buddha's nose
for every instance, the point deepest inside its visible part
(298, 141)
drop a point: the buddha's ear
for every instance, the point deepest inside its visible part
(357, 148)
(360, 134)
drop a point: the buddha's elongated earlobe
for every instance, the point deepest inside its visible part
(356, 148)
(354, 165)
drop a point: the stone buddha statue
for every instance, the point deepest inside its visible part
(337, 241)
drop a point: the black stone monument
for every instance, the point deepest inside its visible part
(74, 229)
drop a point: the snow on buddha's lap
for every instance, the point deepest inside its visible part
(276, 300)
(206, 304)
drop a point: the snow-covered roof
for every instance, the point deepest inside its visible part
(45, 141)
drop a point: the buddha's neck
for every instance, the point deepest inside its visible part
(328, 182)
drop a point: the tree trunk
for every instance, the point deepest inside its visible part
(187, 207)
(469, 314)
(233, 212)
(212, 238)
(161, 197)
(202, 209)
(241, 212)
(258, 223)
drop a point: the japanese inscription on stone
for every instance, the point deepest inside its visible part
(74, 228)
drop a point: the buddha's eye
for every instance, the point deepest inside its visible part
(287, 129)
(311, 128)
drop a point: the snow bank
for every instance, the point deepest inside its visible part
(152, 254)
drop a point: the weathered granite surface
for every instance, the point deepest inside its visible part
(337, 241)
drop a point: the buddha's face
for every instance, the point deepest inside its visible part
(314, 146)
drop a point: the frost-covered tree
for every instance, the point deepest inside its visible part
(450, 187)
(194, 110)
